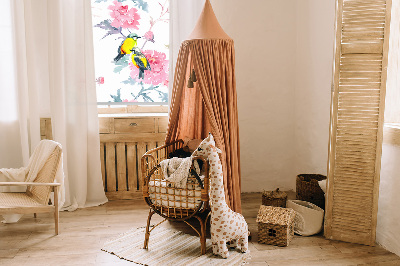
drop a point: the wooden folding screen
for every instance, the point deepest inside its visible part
(358, 96)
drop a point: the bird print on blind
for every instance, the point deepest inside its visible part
(140, 61)
(127, 46)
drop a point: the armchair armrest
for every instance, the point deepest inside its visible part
(29, 184)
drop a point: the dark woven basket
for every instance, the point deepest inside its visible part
(308, 189)
(274, 198)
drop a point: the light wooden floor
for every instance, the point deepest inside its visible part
(83, 232)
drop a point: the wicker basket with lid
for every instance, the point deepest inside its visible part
(275, 225)
(274, 198)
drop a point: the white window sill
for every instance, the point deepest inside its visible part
(133, 115)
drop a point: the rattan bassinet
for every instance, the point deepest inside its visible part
(170, 202)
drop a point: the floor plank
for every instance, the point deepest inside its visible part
(82, 233)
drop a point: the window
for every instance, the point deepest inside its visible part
(391, 130)
(392, 108)
(131, 39)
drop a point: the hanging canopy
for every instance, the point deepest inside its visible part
(211, 105)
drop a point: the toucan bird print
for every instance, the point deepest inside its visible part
(127, 46)
(140, 61)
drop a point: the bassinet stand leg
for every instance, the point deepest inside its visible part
(203, 236)
(147, 235)
(203, 232)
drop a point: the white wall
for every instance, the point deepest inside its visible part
(264, 33)
(388, 227)
(284, 52)
(314, 60)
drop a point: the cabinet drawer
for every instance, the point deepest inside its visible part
(134, 125)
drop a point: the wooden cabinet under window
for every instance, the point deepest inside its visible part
(123, 141)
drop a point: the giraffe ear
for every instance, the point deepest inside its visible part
(216, 149)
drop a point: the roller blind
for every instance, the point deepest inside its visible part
(358, 97)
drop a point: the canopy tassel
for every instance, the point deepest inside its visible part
(190, 83)
(192, 79)
(193, 76)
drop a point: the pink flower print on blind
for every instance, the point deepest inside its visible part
(159, 68)
(123, 16)
(149, 36)
(100, 80)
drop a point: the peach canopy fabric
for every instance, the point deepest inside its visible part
(211, 106)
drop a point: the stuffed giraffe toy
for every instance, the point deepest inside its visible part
(226, 225)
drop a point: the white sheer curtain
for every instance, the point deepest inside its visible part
(55, 78)
(183, 18)
(10, 155)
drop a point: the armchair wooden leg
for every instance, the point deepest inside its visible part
(147, 235)
(34, 215)
(56, 212)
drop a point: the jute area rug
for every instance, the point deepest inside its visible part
(168, 247)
